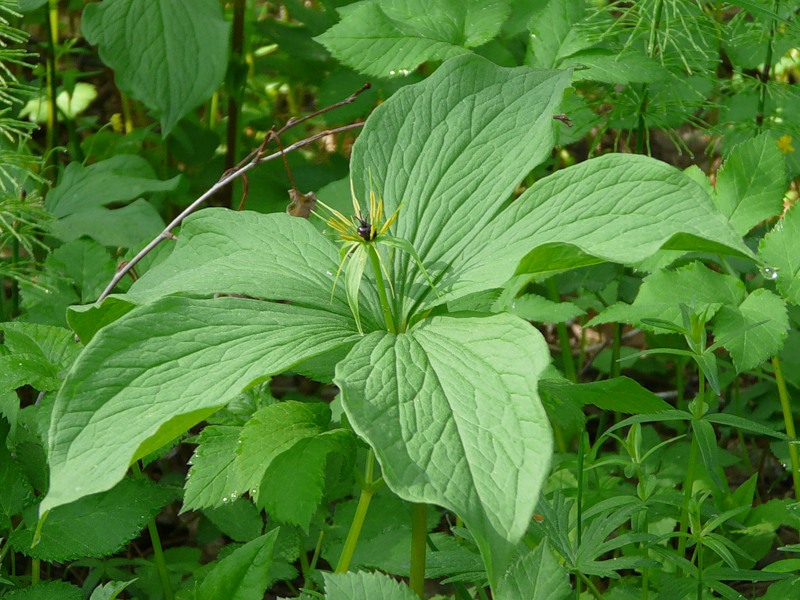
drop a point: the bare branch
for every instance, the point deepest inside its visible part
(253, 159)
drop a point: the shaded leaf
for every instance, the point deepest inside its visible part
(365, 586)
(780, 251)
(242, 575)
(536, 575)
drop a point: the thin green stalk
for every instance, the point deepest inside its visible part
(764, 74)
(567, 360)
(52, 110)
(158, 551)
(384, 299)
(788, 420)
(14, 282)
(36, 570)
(234, 94)
(591, 586)
(305, 568)
(367, 491)
(127, 114)
(419, 534)
(616, 349)
(688, 483)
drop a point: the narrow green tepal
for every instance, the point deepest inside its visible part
(452, 411)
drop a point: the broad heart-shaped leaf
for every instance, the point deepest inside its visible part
(751, 183)
(537, 575)
(95, 526)
(365, 586)
(753, 331)
(169, 54)
(452, 412)
(164, 367)
(244, 574)
(780, 250)
(662, 293)
(392, 37)
(619, 208)
(452, 149)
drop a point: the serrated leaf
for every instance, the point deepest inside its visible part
(88, 264)
(452, 412)
(365, 586)
(751, 183)
(169, 54)
(54, 345)
(619, 394)
(609, 66)
(780, 250)
(15, 489)
(95, 526)
(211, 477)
(755, 330)
(47, 590)
(174, 363)
(244, 574)
(118, 179)
(536, 575)
(536, 308)
(110, 590)
(662, 293)
(551, 26)
(392, 37)
(240, 520)
(292, 487)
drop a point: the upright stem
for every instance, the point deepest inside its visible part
(419, 533)
(384, 299)
(688, 483)
(52, 110)
(567, 360)
(36, 570)
(234, 94)
(367, 491)
(788, 420)
(764, 74)
(158, 551)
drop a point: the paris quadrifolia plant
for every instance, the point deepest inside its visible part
(361, 235)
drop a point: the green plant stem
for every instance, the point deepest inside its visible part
(591, 586)
(788, 420)
(567, 360)
(764, 74)
(688, 484)
(52, 109)
(419, 533)
(384, 299)
(367, 491)
(158, 551)
(127, 114)
(234, 95)
(616, 349)
(14, 282)
(36, 571)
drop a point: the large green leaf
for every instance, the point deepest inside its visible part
(47, 590)
(242, 575)
(662, 293)
(392, 37)
(536, 575)
(453, 415)
(780, 250)
(755, 330)
(118, 179)
(619, 208)
(273, 256)
(365, 586)
(452, 149)
(169, 54)
(98, 525)
(751, 183)
(164, 367)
